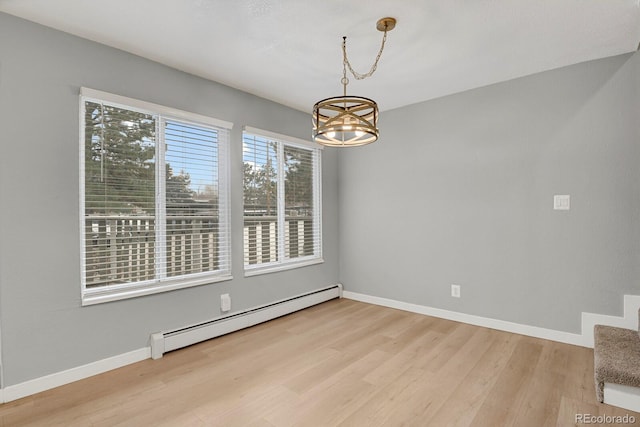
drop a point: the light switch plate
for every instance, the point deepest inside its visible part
(561, 202)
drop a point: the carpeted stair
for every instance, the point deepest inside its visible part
(616, 357)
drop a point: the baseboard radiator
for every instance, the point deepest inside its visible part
(163, 342)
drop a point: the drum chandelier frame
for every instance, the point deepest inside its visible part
(349, 121)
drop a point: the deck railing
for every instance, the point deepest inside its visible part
(122, 249)
(261, 238)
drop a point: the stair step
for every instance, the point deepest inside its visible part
(616, 357)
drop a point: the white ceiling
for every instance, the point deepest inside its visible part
(289, 51)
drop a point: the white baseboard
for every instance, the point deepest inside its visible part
(614, 394)
(628, 321)
(38, 385)
(622, 396)
(501, 325)
(58, 379)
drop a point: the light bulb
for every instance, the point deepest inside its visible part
(346, 124)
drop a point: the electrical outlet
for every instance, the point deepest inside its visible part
(455, 291)
(225, 303)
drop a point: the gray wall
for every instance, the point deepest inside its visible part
(44, 328)
(459, 190)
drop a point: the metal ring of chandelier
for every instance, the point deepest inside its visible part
(345, 121)
(349, 121)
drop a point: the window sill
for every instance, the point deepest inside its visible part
(99, 296)
(274, 268)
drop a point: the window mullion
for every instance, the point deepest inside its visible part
(281, 203)
(317, 204)
(160, 202)
(224, 214)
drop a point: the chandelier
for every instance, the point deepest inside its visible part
(349, 121)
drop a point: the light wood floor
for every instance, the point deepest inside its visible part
(341, 363)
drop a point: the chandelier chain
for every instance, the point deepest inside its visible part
(350, 121)
(346, 62)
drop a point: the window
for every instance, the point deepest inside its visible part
(154, 198)
(281, 183)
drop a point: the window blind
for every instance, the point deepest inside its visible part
(193, 203)
(281, 202)
(154, 200)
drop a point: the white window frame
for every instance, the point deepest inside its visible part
(287, 264)
(116, 292)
